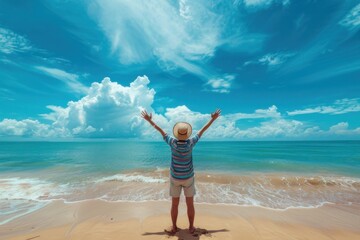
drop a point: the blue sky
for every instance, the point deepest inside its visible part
(278, 69)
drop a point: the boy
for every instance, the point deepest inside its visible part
(181, 169)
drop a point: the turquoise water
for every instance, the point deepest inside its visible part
(299, 157)
(270, 174)
(89, 158)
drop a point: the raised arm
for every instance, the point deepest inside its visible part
(148, 117)
(214, 116)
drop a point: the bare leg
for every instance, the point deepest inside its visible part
(190, 212)
(174, 212)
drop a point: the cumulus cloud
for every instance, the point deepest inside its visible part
(340, 106)
(220, 84)
(108, 110)
(273, 126)
(278, 127)
(352, 19)
(26, 128)
(342, 128)
(111, 110)
(183, 113)
(10, 42)
(225, 127)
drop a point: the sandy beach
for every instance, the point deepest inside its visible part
(96, 219)
(110, 110)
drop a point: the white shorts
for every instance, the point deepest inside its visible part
(176, 185)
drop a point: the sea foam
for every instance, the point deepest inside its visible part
(131, 178)
(277, 191)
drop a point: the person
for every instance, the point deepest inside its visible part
(181, 168)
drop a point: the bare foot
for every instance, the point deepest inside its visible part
(192, 229)
(171, 230)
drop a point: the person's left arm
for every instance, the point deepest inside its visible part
(214, 116)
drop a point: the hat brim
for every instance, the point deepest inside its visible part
(182, 136)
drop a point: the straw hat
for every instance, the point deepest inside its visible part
(182, 130)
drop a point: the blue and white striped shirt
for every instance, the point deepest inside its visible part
(181, 156)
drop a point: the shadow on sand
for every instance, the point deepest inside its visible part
(183, 234)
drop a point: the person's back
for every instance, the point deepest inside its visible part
(181, 157)
(181, 168)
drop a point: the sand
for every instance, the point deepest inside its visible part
(96, 219)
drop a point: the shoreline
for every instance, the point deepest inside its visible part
(167, 201)
(269, 191)
(98, 219)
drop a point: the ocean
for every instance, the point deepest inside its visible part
(277, 175)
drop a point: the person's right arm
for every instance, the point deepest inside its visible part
(148, 117)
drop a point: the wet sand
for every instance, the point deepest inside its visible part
(97, 219)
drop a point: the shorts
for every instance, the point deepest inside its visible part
(176, 185)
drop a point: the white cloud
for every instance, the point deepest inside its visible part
(271, 59)
(26, 128)
(342, 128)
(221, 84)
(11, 42)
(183, 113)
(70, 79)
(340, 106)
(184, 9)
(225, 126)
(271, 112)
(260, 4)
(274, 59)
(140, 30)
(178, 35)
(277, 128)
(352, 19)
(111, 110)
(108, 110)
(305, 111)
(273, 126)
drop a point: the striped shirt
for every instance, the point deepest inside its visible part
(181, 156)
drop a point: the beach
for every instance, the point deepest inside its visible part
(120, 190)
(97, 219)
(249, 110)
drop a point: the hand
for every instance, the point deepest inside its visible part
(216, 114)
(146, 116)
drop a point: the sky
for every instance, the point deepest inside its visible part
(278, 69)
